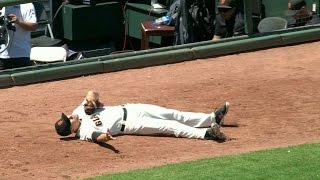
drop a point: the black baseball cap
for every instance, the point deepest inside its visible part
(297, 4)
(63, 126)
(227, 4)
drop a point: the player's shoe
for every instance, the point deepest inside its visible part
(216, 133)
(220, 113)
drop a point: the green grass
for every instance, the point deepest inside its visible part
(294, 162)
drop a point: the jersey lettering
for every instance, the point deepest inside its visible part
(96, 120)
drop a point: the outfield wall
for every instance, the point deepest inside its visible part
(158, 56)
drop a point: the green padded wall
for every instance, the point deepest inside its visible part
(237, 46)
(151, 59)
(6, 81)
(85, 22)
(60, 72)
(297, 37)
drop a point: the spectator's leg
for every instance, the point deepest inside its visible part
(21, 62)
(1, 65)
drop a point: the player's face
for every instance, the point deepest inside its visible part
(301, 14)
(227, 13)
(75, 123)
(89, 107)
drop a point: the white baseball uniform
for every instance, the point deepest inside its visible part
(143, 119)
(80, 109)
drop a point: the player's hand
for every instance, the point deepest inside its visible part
(109, 136)
(13, 18)
(89, 107)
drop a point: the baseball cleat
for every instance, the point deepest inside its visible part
(216, 133)
(220, 113)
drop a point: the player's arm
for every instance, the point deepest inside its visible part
(28, 26)
(98, 137)
(215, 37)
(220, 28)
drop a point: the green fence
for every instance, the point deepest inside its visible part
(160, 56)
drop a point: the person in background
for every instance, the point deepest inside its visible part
(301, 16)
(229, 21)
(23, 18)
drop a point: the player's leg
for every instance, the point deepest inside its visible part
(151, 126)
(193, 119)
(220, 113)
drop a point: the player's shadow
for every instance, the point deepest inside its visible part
(105, 145)
(232, 125)
(71, 138)
(109, 146)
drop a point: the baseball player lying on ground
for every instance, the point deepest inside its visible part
(96, 123)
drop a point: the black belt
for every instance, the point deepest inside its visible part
(124, 118)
